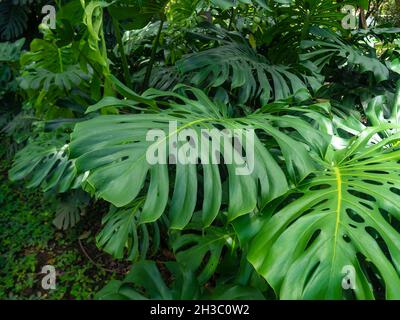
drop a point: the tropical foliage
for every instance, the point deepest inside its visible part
(323, 101)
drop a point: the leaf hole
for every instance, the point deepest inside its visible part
(376, 171)
(320, 187)
(354, 216)
(346, 238)
(376, 183)
(395, 190)
(366, 205)
(362, 195)
(312, 238)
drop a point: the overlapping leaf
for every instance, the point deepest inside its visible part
(145, 281)
(331, 47)
(114, 148)
(191, 251)
(47, 66)
(13, 20)
(44, 162)
(122, 233)
(344, 217)
(248, 74)
(70, 207)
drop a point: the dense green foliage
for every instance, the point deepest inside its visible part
(28, 241)
(322, 98)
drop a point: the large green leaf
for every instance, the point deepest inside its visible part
(380, 110)
(70, 207)
(191, 251)
(48, 66)
(344, 216)
(248, 74)
(146, 275)
(113, 149)
(121, 231)
(294, 21)
(145, 281)
(95, 44)
(44, 162)
(330, 47)
(13, 20)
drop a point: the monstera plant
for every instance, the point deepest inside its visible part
(117, 153)
(345, 214)
(239, 166)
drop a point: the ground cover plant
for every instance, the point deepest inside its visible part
(202, 149)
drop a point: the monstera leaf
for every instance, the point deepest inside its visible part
(247, 74)
(70, 207)
(10, 51)
(145, 281)
(44, 162)
(13, 20)
(337, 234)
(46, 65)
(115, 149)
(122, 231)
(380, 110)
(294, 20)
(146, 275)
(332, 47)
(191, 250)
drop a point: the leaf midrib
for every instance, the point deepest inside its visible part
(338, 209)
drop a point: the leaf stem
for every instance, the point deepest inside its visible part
(152, 57)
(60, 60)
(121, 52)
(232, 17)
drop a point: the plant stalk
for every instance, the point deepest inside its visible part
(232, 17)
(153, 56)
(124, 61)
